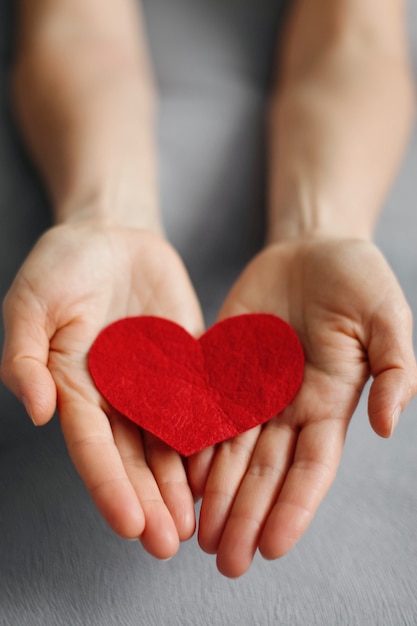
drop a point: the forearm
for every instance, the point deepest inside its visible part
(339, 121)
(83, 95)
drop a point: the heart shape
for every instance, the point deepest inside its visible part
(194, 393)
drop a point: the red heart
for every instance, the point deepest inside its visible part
(193, 393)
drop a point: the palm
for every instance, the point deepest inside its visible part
(278, 474)
(319, 294)
(119, 274)
(93, 278)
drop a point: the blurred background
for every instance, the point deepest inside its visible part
(60, 564)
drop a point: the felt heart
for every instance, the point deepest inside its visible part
(193, 393)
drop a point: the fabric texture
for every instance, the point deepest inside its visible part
(60, 564)
(195, 393)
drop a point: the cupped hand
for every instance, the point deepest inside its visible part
(78, 279)
(261, 489)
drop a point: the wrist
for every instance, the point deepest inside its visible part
(105, 207)
(332, 155)
(328, 177)
(307, 218)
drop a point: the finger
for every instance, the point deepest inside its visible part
(169, 473)
(92, 448)
(159, 537)
(317, 455)
(256, 495)
(198, 468)
(229, 466)
(25, 356)
(393, 367)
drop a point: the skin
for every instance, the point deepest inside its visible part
(342, 72)
(138, 484)
(264, 487)
(89, 126)
(84, 97)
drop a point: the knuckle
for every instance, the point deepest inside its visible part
(240, 447)
(264, 469)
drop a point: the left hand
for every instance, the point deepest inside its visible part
(79, 278)
(262, 488)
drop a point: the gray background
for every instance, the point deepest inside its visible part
(59, 563)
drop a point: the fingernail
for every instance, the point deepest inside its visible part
(28, 408)
(394, 419)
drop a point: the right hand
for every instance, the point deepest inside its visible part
(262, 488)
(78, 279)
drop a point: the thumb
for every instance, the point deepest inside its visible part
(25, 356)
(393, 367)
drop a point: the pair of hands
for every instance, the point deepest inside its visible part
(261, 489)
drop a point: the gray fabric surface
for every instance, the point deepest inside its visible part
(59, 563)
